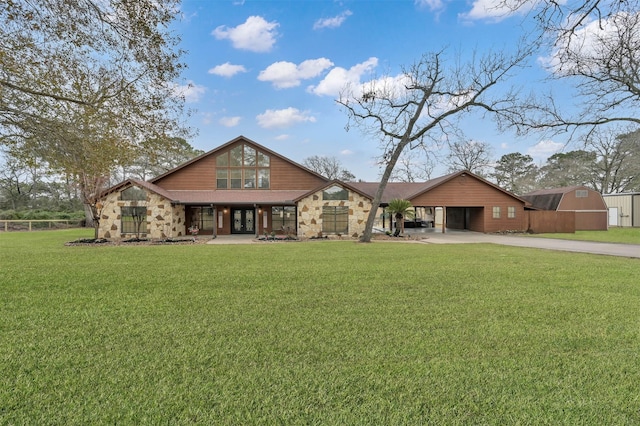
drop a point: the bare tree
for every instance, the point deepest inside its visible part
(595, 47)
(425, 102)
(474, 156)
(413, 166)
(329, 167)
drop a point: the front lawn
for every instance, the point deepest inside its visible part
(320, 332)
(613, 235)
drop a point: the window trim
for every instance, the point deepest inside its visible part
(497, 213)
(130, 223)
(330, 217)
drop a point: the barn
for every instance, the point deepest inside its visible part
(588, 205)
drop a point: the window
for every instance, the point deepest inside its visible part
(511, 212)
(133, 193)
(582, 193)
(222, 176)
(249, 178)
(263, 178)
(243, 167)
(133, 220)
(283, 217)
(335, 220)
(236, 178)
(496, 212)
(335, 193)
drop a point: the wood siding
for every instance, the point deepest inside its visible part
(478, 198)
(551, 221)
(201, 174)
(285, 175)
(591, 221)
(593, 201)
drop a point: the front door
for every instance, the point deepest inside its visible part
(243, 221)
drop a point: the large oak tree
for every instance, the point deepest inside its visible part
(84, 84)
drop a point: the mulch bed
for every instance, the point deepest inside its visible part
(134, 242)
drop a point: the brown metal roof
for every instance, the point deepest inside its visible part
(239, 196)
(548, 199)
(410, 190)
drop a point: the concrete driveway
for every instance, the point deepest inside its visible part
(460, 237)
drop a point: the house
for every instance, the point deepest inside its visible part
(242, 187)
(467, 201)
(588, 205)
(624, 209)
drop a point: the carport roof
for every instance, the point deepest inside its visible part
(410, 190)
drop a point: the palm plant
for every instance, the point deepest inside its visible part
(400, 209)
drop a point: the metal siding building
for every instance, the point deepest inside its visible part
(624, 209)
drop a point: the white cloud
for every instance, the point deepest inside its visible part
(287, 74)
(433, 5)
(283, 118)
(230, 121)
(339, 77)
(282, 137)
(544, 149)
(586, 42)
(227, 70)
(190, 91)
(346, 152)
(334, 22)
(497, 10)
(256, 34)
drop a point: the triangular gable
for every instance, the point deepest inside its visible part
(330, 184)
(221, 148)
(434, 183)
(140, 183)
(411, 190)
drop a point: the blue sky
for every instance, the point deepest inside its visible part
(271, 70)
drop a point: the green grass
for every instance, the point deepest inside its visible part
(315, 333)
(613, 235)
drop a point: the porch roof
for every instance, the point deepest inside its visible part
(231, 196)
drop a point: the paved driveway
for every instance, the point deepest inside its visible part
(457, 237)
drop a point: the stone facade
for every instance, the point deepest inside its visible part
(164, 220)
(310, 214)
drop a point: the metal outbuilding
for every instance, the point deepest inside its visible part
(624, 209)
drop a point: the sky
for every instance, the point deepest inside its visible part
(272, 70)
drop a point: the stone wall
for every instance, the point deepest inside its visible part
(164, 220)
(310, 214)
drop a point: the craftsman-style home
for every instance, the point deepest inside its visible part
(242, 187)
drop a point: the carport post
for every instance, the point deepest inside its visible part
(444, 219)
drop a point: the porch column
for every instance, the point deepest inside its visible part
(215, 221)
(256, 220)
(444, 219)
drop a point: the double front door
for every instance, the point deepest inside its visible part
(243, 221)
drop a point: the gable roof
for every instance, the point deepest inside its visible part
(410, 190)
(140, 183)
(231, 142)
(550, 198)
(350, 186)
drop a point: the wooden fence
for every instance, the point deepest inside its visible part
(29, 225)
(547, 221)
